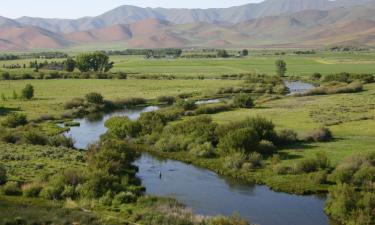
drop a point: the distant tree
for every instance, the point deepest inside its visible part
(222, 53)
(14, 96)
(5, 76)
(28, 92)
(83, 62)
(280, 68)
(245, 52)
(69, 65)
(97, 61)
(94, 98)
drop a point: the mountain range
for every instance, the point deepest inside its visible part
(271, 23)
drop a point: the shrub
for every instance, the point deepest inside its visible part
(356, 169)
(316, 76)
(3, 175)
(322, 160)
(255, 159)
(12, 188)
(320, 135)
(243, 101)
(245, 139)
(32, 190)
(234, 161)
(122, 76)
(123, 198)
(28, 92)
(204, 150)
(320, 177)
(281, 169)
(166, 99)
(35, 138)
(212, 108)
(276, 159)
(14, 120)
(306, 166)
(74, 103)
(285, 137)
(266, 147)
(188, 104)
(129, 102)
(10, 137)
(61, 140)
(51, 193)
(123, 127)
(94, 98)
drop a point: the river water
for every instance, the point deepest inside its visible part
(204, 191)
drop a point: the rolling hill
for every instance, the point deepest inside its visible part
(130, 14)
(354, 23)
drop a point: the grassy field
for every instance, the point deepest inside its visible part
(301, 65)
(353, 115)
(50, 95)
(257, 62)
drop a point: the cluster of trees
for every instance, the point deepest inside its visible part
(149, 53)
(27, 93)
(280, 67)
(352, 200)
(97, 62)
(8, 57)
(46, 65)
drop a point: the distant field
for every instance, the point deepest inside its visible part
(324, 63)
(256, 62)
(52, 94)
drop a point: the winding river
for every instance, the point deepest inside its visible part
(206, 192)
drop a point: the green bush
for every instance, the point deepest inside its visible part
(281, 169)
(166, 99)
(13, 120)
(187, 104)
(130, 102)
(124, 198)
(266, 147)
(240, 140)
(286, 137)
(320, 135)
(255, 160)
(27, 92)
(74, 103)
(204, 150)
(3, 175)
(123, 127)
(243, 101)
(32, 190)
(94, 98)
(35, 138)
(212, 108)
(234, 161)
(61, 140)
(306, 166)
(12, 188)
(51, 193)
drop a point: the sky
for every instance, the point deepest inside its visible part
(72, 9)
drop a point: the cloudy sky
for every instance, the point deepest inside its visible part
(80, 8)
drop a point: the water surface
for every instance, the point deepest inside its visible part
(206, 192)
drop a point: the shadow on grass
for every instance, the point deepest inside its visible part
(5, 110)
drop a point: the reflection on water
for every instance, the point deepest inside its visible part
(209, 194)
(298, 86)
(209, 101)
(203, 190)
(92, 126)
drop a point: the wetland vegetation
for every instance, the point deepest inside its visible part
(318, 141)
